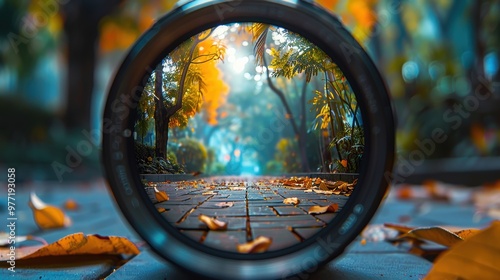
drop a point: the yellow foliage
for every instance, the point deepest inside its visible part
(216, 90)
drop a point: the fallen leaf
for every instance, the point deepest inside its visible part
(291, 200)
(224, 204)
(400, 228)
(323, 192)
(161, 210)
(475, 258)
(323, 186)
(237, 188)
(437, 235)
(467, 233)
(213, 223)
(47, 216)
(76, 244)
(258, 245)
(332, 208)
(71, 205)
(160, 195)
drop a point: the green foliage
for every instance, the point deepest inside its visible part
(274, 167)
(351, 150)
(286, 155)
(192, 154)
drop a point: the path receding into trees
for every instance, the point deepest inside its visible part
(251, 207)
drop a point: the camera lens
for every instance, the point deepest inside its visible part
(248, 139)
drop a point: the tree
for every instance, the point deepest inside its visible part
(184, 82)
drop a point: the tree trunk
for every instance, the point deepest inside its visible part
(81, 22)
(161, 122)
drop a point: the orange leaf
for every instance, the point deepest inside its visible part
(161, 210)
(258, 245)
(344, 163)
(160, 195)
(291, 200)
(475, 258)
(332, 208)
(213, 223)
(435, 234)
(77, 244)
(47, 216)
(71, 205)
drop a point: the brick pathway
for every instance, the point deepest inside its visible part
(258, 210)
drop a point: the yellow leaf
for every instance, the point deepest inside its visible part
(258, 245)
(332, 208)
(213, 223)
(77, 244)
(475, 258)
(291, 200)
(435, 234)
(160, 195)
(47, 216)
(161, 209)
(5, 239)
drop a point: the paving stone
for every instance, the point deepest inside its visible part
(194, 234)
(222, 212)
(176, 213)
(260, 211)
(213, 204)
(225, 240)
(192, 222)
(307, 233)
(281, 237)
(298, 221)
(289, 210)
(326, 217)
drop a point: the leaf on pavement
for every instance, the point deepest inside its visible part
(76, 244)
(161, 196)
(213, 223)
(225, 204)
(332, 208)
(161, 209)
(438, 235)
(475, 258)
(258, 245)
(47, 216)
(291, 200)
(400, 228)
(209, 193)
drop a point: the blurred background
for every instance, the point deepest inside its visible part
(440, 60)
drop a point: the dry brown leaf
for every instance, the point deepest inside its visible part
(400, 228)
(71, 205)
(76, 244)
(291, 200)
(322, 192)
(467, 233)
(258, 245)
(224, 204)
(323, 186)
(161, 195)
(332, 208)
(213, 223)
(435, 234)
(475, 258)
(47, 216)
(308, 191)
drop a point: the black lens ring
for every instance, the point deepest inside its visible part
(327, 33)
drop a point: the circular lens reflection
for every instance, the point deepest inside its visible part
(248, 138)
